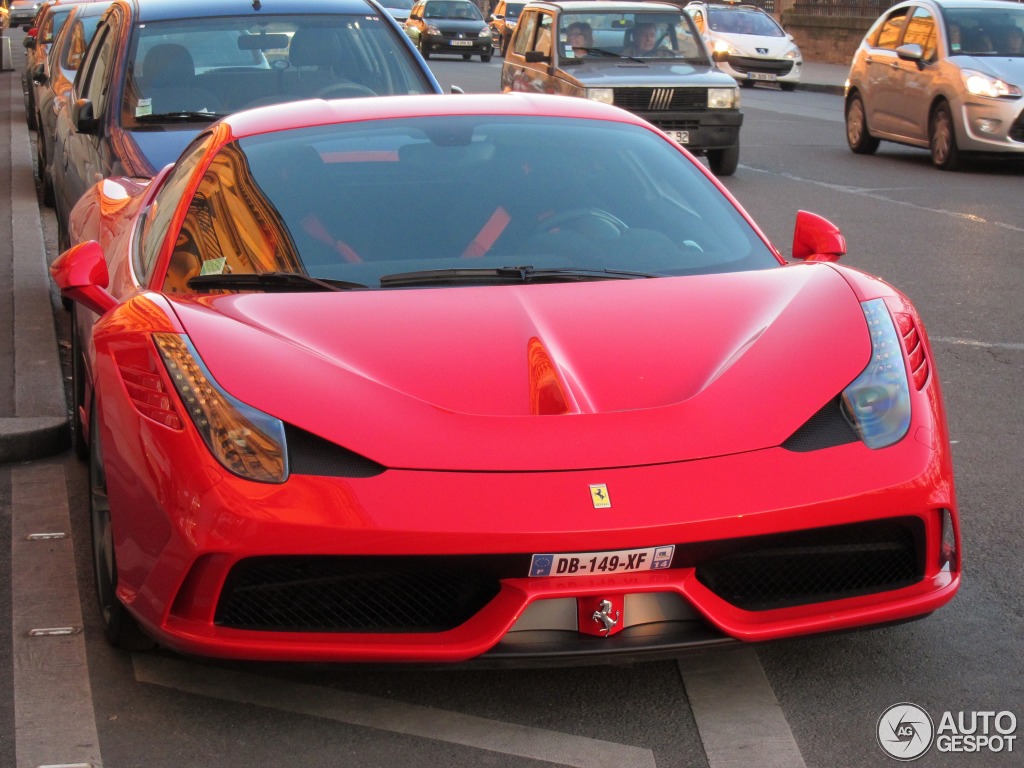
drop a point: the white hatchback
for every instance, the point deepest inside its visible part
(750, 44)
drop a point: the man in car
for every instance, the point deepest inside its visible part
(645, 42)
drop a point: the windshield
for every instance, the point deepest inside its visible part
(452, 9)
(636, 35)
(220, 65)
(742, 22)
(493, 197)
(986, 31)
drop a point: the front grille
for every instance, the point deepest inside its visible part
(785, 570)
(353, 594)
(773, 67)
(661, 99)
(1017, 129)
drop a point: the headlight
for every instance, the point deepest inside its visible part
(877, 403)
(603, 95)
(723, 98)
(980, 84)
(792, 54)
(433, 30)
(247, 442)
(485, 32)
(721, 46)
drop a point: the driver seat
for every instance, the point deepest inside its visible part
(169, 81)
(316, 57)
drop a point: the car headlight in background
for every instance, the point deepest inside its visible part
(433, 30)
(980, 84)
(723, 98)
(485, 32)
(603, 95)
(246, 441)
(877, 403)
(793, 54)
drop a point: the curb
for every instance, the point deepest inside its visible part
(39, 425)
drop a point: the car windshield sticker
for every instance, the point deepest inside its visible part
(144, 107)
(213, 266)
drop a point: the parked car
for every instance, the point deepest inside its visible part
(52, 79)
(757, 49)
(317, 435)
(452, 27)
(46, 27)
(676, 86)
(946, 75)
(5, 16)
(23, 12)
(158, 71)
(503, 22)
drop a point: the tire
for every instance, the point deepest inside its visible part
(485, 57)
(120, 629)
(44, 177)
(857, 134)
(467, 56)
(504, 45)
(723, 162)
(942, 139)
(423, 50)
(787, 86)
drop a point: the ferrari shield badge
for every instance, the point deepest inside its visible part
(599, 495)
(601, 616)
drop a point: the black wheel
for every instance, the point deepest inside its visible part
(44, 177)
(423, 50)
(723, 162)
(485, 57)
(942, 139)
(593, 222)
(78, 440)
(787, 86)
(119, 627)
(857, 135)
(344, 91)
(467, 56)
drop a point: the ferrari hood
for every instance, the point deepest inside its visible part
(542, 377)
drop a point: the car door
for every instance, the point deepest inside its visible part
(85, 155)
(913, 82)
(883, 74)
(528, 62)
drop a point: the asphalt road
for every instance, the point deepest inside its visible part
(953, 242)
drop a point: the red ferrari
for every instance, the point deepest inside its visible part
(490, 378)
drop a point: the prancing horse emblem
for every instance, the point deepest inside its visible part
(603, 615)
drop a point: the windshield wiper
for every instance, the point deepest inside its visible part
(184, 116)
(269, 281)
(525, 274)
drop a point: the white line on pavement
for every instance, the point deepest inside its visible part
(739, 719)
(383, 714)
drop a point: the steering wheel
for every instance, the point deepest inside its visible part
(593, 222)
(347, 90)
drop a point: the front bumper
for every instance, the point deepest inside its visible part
(192, 552)
(451, 45)
(714, 129)
(748, 69)
(992, 125)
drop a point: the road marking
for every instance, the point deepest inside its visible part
(54, 720)
(975, 343)
(394, 717)
(738, 717)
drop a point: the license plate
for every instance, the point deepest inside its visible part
(683, 137)
(602, 563)
(765, 76)
(462, 42)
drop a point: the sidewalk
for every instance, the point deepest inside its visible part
(33, 408)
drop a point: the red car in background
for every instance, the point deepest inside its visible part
(495, 378)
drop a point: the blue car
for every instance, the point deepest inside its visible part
(158, 71)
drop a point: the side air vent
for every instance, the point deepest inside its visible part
(312, 455)
(825, 429)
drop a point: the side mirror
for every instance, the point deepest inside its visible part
(910, 52)
(817, 239)
(39, 74)
(535, 57)
(81, 275)
(415, 17)
(29, 42)
(82, 116)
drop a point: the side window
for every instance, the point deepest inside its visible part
(75, 49)
(921, 30)
(524, 33)
(157, 219)
(698, 19)
(545, 33)
(98, 62)
(889, 31)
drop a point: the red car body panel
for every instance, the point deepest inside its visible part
(645, 399)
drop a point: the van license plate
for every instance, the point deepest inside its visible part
(683, 137)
